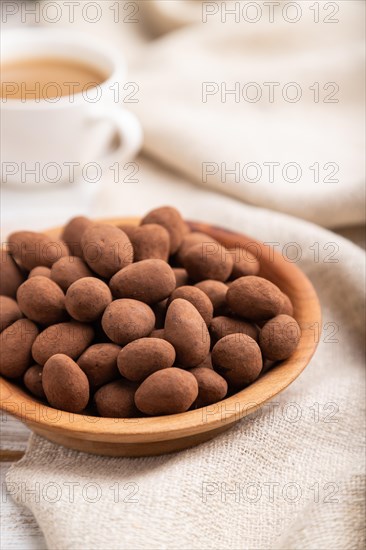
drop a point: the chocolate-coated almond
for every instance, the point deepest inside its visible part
(245, 263)
(150, 241)
(279, 337)
(69, 269)
(140, 358)
(211, 386)
(70, 339)
(167, 391)
(99, 362)
(191, 239)
(208, 261)
(197, 298)
(87, 298)
(238, 359)
(254, 298)
(33, 381)
(16, 344)
(42, 300)
(117, 400)
(221, 326)
(149, 281)
(31, 249)
(72, 233)
(65, 384)
(172, 221)
(106, 249)
(11, 277)
(216, 291)
(126, 320)
(9, 312)
(186, 330)
(41, 271)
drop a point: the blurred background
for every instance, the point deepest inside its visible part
(259, 101)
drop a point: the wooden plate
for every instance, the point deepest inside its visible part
(154, 436)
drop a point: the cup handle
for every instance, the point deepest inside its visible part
(128, 129)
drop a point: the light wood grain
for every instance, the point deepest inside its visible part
(152, 436)
(14, 436)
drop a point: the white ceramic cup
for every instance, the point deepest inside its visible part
(46, 141)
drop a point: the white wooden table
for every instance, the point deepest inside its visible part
(18, 528)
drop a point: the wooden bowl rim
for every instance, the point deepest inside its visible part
(15, 401)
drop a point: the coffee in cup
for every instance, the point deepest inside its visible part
(47, 78)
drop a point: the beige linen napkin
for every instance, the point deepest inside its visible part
(290, 477)
(227, 141)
